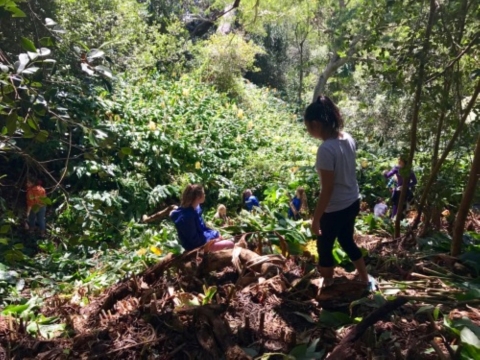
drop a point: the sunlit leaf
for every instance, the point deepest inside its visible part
(42, 52)
(87, 68)
(103, 70)
(141, 252)
(50, 22)
(30, 70)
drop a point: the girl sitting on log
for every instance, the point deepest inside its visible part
(191, 228)
(298, 204)
(339, 200)
(220, 218)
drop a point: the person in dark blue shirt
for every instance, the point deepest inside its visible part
(191, 228)
(250, 200)
(298, 204)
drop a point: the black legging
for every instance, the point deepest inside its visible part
(396, 199)
(339, 224)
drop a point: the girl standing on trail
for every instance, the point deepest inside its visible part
(339, 200)
(298, 204)
(36, 208)
(190, 225)
(412, 181)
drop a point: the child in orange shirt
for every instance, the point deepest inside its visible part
(36, 208)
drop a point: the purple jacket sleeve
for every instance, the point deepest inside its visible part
(392, 172)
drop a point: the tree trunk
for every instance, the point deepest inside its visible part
(416, 111)
(438, 136)
(300, 85)
(333, 65)
(466, 201)
(446, 151)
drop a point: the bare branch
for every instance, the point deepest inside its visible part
(456, 59)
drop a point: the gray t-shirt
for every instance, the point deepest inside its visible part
(338, 155)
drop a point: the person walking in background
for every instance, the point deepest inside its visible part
(250, 200)
(410, 183)
(191, 228)
(339, 201)
(298, 204)
(36, 208)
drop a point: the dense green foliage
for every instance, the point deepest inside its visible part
(117, 105)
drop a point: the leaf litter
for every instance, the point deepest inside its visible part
(243, 305)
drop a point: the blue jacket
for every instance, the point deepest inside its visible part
(251, 202)
(191, 228)
(297, 204)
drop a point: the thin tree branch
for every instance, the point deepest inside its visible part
(446, 151)
(66, 163)
(456, 59)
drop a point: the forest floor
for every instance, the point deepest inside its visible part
(237, 304)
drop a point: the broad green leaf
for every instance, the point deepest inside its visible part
(32, 123)
(334, 319)
(468, 337)
(104, 71)
(42, 136)
(23, 60)
(16, 12)
(20, 285)
(12, 123)
(95, 53)
(28, 45)
(32, 55)
(15, 309)
(87, 68)
(46, 41)
(58, 29)
(46, 200)
(42, 52)
(30, 70)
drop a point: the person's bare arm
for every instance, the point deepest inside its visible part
(293, 208)
(159, 215)
(327, 181)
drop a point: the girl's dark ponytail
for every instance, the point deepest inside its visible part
(190, 194)
(326, 112)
